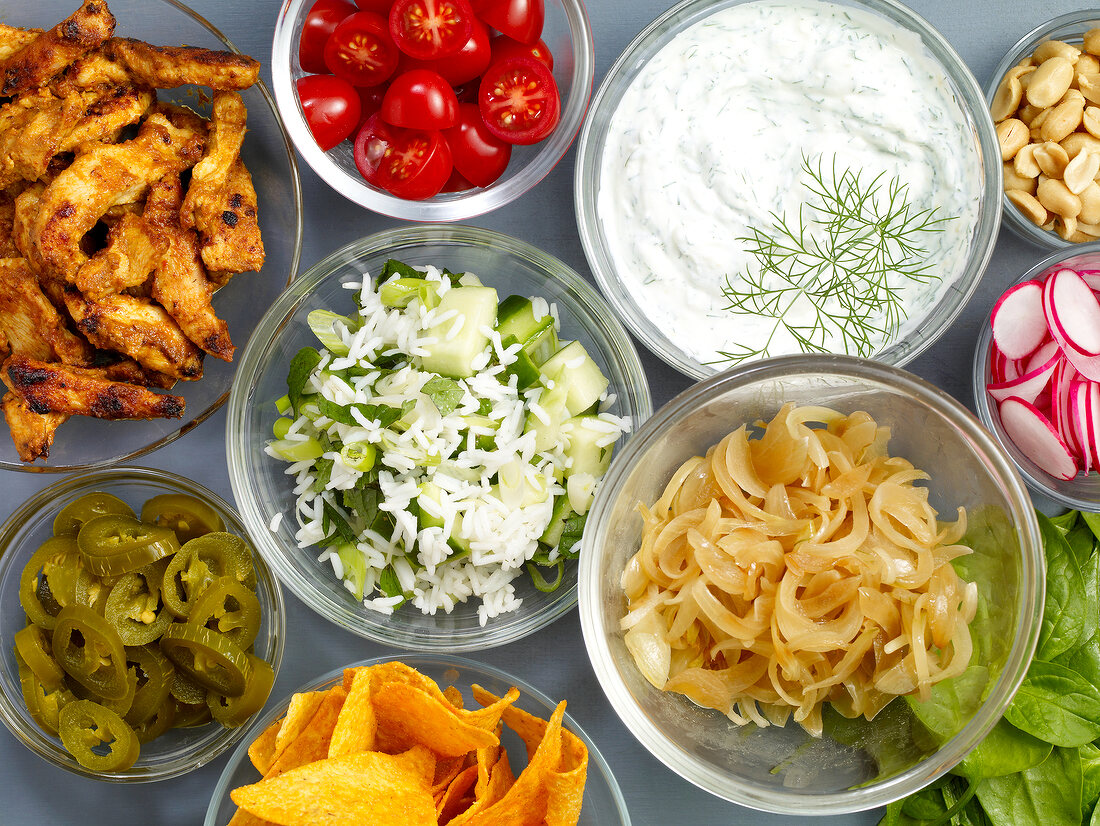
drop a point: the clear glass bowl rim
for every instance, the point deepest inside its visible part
(253, 363)
(61, 490)
(1030, 600)
(639, 52)
(414, 660)
(460, 206)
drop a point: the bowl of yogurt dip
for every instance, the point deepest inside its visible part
(765, 177)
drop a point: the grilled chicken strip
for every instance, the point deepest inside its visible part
(31, 323)
(12, 39)
(76, 391)
(32, 432)
(180, 284)
(139, 328)
(166, 67)
(48, 54)
(134, 249)
(98, 179)
(7, 227)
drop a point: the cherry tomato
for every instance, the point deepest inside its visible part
(430, 29)
(381, 7)
(503, 46)
(464, 65)
(320, 22)
(467, 92)
(360, 50)
(519, 100)
(408, 163)
(332, 108)
(420, 99)
(521, 20)
(456, 183)
(479, 155)
(370, 101)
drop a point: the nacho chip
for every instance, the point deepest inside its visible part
(450, 804)
(261, 752)
(446, 770)
(408, 715)
(313, 741)
(374, 788)
(486, 758)
(454, 697)
(243, 818)
(302, 708)
(565, 787)
(501, 780)
(398, 672)
(356, 726)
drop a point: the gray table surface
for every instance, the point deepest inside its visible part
(554, 660)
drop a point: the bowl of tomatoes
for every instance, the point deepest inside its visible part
(432, 110)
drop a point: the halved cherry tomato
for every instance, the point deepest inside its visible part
(408, 163)
(420, 99)
(479, 155)
(521, 20)
(332, 107)
(370, 101)
(381, 7)
(503, 46)
(320, 22)
(456, 183)
(361, 51)
(430, 29)
(464, 65)
(519, 100)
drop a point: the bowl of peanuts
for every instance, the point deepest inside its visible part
(1045, 101)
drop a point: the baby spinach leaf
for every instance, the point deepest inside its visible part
(1056, 705)
(1090, 777)
(1081, 542)
(952, 703)
(1045, 795)
(1064, 617)
(302, 365)
(1093, 521)
(1005, 751)
(399, 268)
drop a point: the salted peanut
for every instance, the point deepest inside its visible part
(1009, 94)
(1027, 113)
(1012, 135)
(1037, 122)
(1081, 171)
(1050, 81)
(1052, 159)
(1072, 94)
(1090, 119)
(1091, 42)
(1088, 84)
(1066, 227)
(1048, 226)
(1078, 142)
(1056, 48)
(1025, 164)
(1088, 229)
(1063, 119)
(1027, 62)
(1090, 204)
(1056, 197)
(1087, 64)
(1014, 181)
(1028, 205)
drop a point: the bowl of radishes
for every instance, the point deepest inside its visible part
(432, 110)
(1037, 375)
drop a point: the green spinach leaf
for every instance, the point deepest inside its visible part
(1056, 705)
(1006, 750)
(303, 364)
(1065, 612)
(1045, 795)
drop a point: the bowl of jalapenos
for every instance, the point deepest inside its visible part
(139, 631)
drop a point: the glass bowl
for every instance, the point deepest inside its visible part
(1083, 491)
(179, 750)
(1070, 28)
(83, 443)
(264, 492)
(783, 769)
(603, 801)
(568, 34)
(662, 335)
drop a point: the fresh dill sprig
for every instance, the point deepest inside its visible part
(855, 245)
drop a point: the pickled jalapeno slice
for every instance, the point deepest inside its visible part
(209, 658)
(88, 507)
(134, 609)
(34, 646)
(225, 554)
(187, 516)
(115, 545)
(235, 711)
(154, 679)
(230, 607)
(58, 551)
(90, 651)
(97, 737)
(42, 704)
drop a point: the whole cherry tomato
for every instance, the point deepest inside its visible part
(420, 99)
(320, 22)
(464, 65)
(408, 163)
(361, 51)
(381, 7)
(478, 155)
(332, 108)
(521, 20)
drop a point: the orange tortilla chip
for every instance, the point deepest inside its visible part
(374, 788)
(454, 697)
(449, 804)
(408, 715)
(243, 818)
(301, 710)
(261, 752)
(446, 770)
(313, 741)
(486, 759)
(356, 725)
(398, 672)
(501, 780)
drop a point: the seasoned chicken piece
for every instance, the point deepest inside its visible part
(7, 227)
(31, 323)
(12, 39)
(134, 249)
(36, 127)
(165, 67)
(180, 284)
(32, 432)
(223, 147)
(137, 327)
(51, 52)
(76, 391)
(110, 174)
(129, 371)
(93, 71)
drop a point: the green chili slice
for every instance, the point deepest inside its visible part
(34, 645)
(230, 607)
(90, 651)
(88, 507)
(84, 726)
(134, 609)
(115, 545)
(187, 516)
(235, 711)
(209, 658)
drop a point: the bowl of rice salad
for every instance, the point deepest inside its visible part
(418, 428)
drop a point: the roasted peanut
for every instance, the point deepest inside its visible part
(1078, 141)
(1056, 197)
(1088, 229)
(1052, 159)
(1028, 205)
(1037, 122)
(1087, 64)
(1081, 171)
(1090, 119)
(1091, 42)
(1056, 48)
(1014, 181)
(1027, 113)
(1025, 164)
(1063, 119)
(1013, 136)
(1090, 204)
(1050, 81)
(1066, 227)
(1008, 96)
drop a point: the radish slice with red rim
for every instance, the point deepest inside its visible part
(1079, 416)
(1072, 309)
(1029, 385)
(1037, 438)
(1060, 381)
(1087, 365)
(1017, 320)
(1040, 357)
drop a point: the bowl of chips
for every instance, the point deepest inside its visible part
(143, 266)
(443, 737)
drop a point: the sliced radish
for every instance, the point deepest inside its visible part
(1017, 319)
(1072, 309)
(1029, 385)
(1041, 356)
(1060, 382)
(1091, 277)
(1037, 438)
(1092, 405)
(1087, 365)
(1079, 415)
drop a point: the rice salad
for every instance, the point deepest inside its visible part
(443, 444)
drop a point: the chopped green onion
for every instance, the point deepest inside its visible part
(358, 456)
(401, 291)
(355, 567)
(298, 451)
(281, 427)
(323, 323)
(539, 581)
(282, 404)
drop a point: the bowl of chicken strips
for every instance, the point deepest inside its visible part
(150, 211)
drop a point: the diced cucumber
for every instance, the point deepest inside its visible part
(400, 291)
(581, 436)
(429, 505)
(552, 535)
(516, 490)
(573, 367)
(523, 368)
(516, 317)
(542, 345)
(548, 433)
(454, 355)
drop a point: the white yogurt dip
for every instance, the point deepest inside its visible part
(709, 141)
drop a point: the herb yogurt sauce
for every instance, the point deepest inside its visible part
(709, 140)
